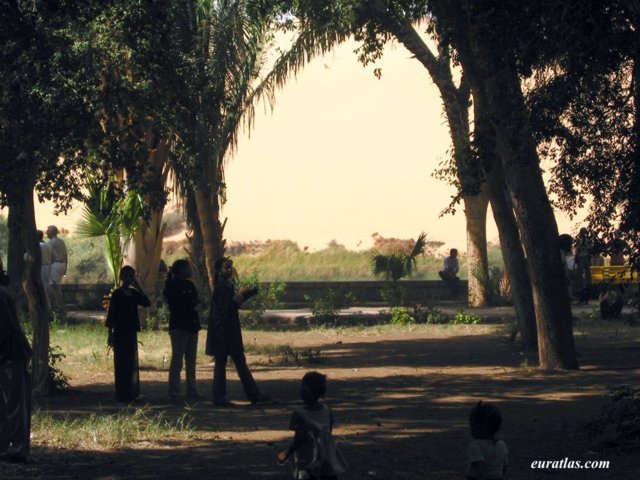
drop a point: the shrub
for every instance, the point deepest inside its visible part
(401, 316)
(87, 263)
(159, 318)
(58, 381)
(268, 298)
(463, 318)
(325, 308)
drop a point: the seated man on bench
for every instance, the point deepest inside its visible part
(450, 268)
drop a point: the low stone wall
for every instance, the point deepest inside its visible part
(423, 292)
(80, 296)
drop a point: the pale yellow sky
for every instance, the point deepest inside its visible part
(342, 156)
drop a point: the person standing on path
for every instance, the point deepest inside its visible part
(224, 336)
(58, 267)
(124, 324)
(184, 323)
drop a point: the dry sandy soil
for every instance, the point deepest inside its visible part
(400, 397)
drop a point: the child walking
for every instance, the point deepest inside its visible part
(313, 452)
(487, 458)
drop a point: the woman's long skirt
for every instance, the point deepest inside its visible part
(125, 360)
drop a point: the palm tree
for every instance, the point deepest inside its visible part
(396, 265)
(227, 44)
(115, 215)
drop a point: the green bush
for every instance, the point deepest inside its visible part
(325, 308)
(401, 316)
(159, 318)
(268, 298)
(87, 262)
(463, 318)
(58, 381)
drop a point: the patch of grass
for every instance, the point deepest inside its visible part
(464, 318)
(293, 356)
(267, 349)
(85, 349)
(104, 431)
(284, 260)
(285, 354)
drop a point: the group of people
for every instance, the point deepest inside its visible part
(224, 335)
(54, 267)
(312, 424)
(581, 253)
(312, 453)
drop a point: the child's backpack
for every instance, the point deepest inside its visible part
(321, 455)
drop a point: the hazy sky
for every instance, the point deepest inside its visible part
(343, 155)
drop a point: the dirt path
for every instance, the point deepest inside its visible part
(400, 398)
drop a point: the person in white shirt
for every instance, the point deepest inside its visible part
(450, 268)
(58, 267)
(45, 272)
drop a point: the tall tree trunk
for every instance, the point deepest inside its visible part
(208, 208)
(535, 218)
(475, 211)
(21, 208)
(456, 106)
(15, 252)
(196, 247)
(511, 246)
(492, 69)
(145, 250)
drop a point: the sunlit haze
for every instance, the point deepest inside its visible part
(343, 155)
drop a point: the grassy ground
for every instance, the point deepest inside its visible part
(400, 396)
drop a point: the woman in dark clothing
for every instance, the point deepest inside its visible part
(224, 336)
(124, 325)
(184, 323)
(15, 382)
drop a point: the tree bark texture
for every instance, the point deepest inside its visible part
(493, 73)
(196, 247)
(145, 250)
(15, 252)
(21, 208)
(475, 210)
(208, 208)
(511, 246)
